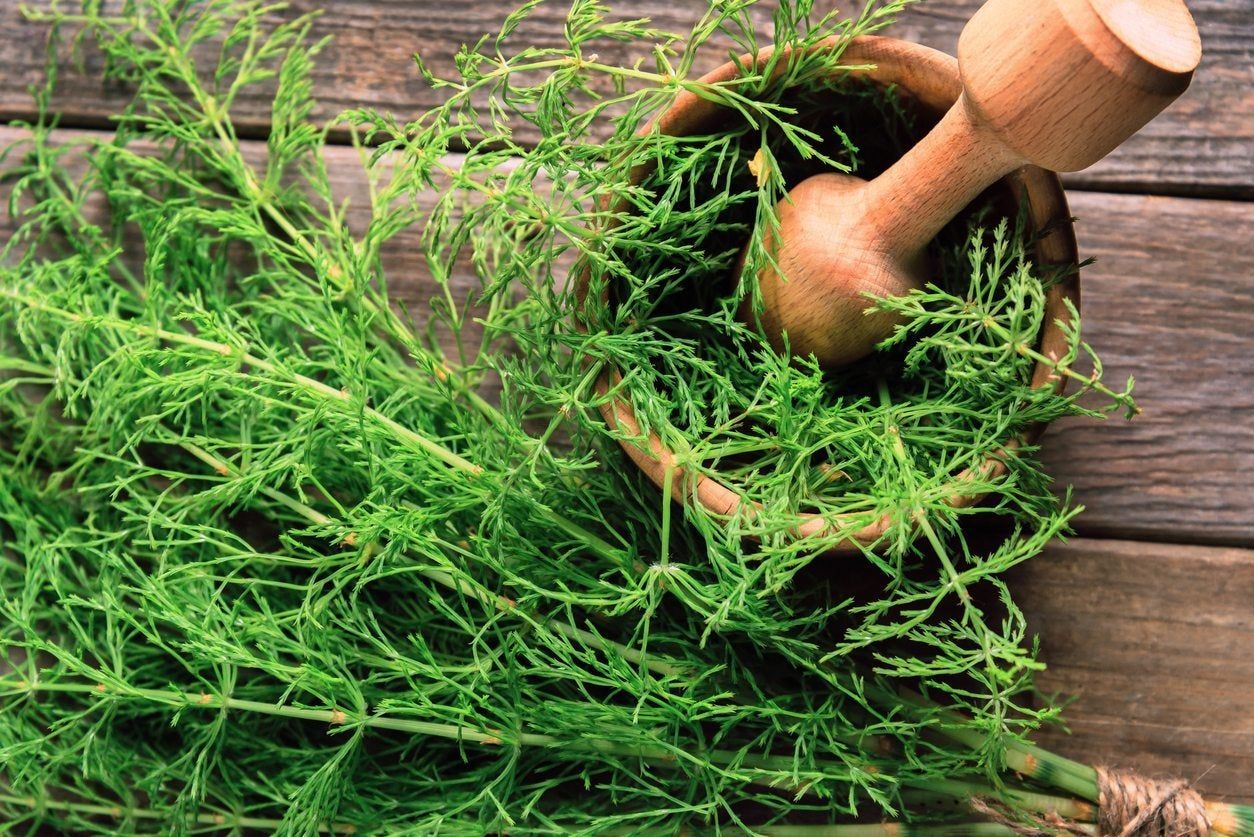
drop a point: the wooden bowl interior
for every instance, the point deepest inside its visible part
(929, 82)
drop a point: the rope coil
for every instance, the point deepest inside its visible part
(1129, 805)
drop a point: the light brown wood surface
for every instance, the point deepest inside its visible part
(1170, 301)
(1061, 84)
(1200, 145)
(1154, 638)
(1156, 644)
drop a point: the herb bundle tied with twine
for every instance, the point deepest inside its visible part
(282, 554)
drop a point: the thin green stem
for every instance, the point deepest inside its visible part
(120, 812)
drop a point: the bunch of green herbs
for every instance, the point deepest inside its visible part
(279, 555)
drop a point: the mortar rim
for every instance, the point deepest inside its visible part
(931, 77)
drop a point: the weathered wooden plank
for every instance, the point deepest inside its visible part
(1201, 145)
(1169, 301)
(410, 283)
(1156, 643)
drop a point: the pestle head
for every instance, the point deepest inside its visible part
(832, 259)
(1063, 82)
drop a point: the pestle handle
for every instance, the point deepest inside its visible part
(906, 206)
(1054, 83)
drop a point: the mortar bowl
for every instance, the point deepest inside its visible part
(928, 80)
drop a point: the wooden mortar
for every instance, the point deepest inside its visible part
(995, 129)
(930, 79)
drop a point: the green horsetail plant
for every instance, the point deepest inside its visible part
(279, 554)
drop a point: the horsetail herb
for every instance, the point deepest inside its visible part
(279, 556)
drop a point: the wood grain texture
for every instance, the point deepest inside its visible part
(1156, 644)
(1169, 301)
(1200, 145)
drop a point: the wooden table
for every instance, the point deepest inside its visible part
(1148, 615)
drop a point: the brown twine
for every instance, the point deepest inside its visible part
(1133, 806)
(1129, 805)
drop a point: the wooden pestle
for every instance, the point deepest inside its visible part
(1053, 83)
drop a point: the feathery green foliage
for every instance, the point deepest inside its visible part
(277, 555)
